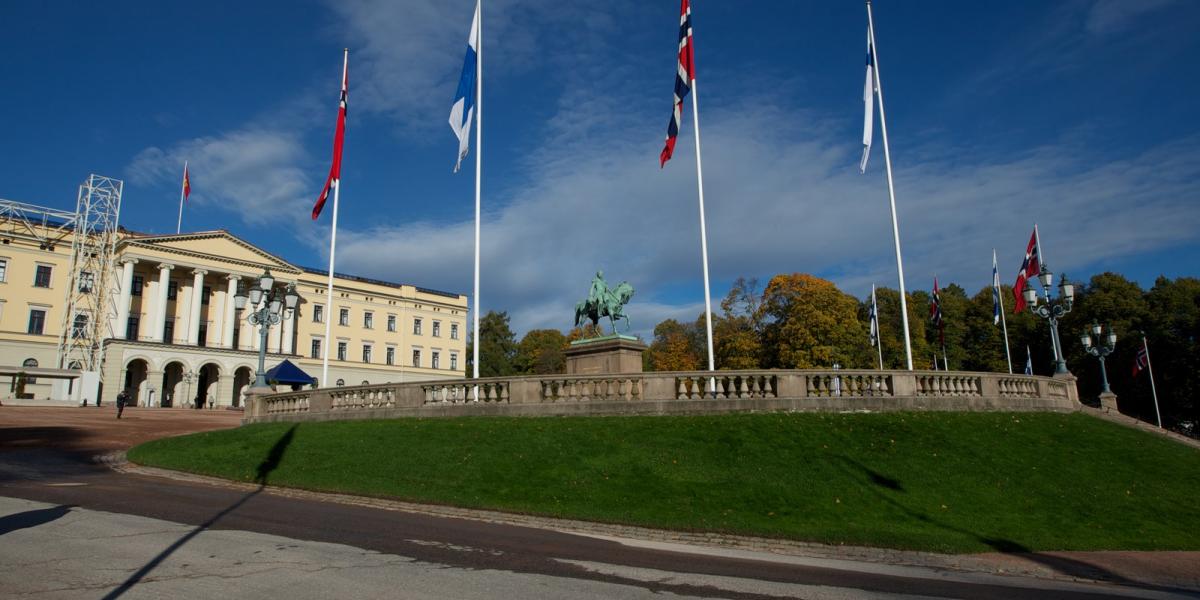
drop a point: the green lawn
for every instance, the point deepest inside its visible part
(946, 482)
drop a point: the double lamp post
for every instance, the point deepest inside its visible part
(1052, 310)
(270, 302)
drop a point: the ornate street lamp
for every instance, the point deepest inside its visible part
(1095, 349)
(273, 302)
(1052, 310)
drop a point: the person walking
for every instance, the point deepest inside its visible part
(122, 398)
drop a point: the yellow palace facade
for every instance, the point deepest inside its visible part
(173, 337)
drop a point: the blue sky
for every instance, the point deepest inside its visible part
(1075, 114)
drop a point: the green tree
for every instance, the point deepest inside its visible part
(954, 319)
(541, 352)
(497, 346)
(809, 323)
(1173, 335)
(891, 329)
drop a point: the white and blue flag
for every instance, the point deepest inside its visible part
(1028, 362)
(463, 108)
(868, 109)
(996, 308)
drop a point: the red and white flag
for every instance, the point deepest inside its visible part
(1141, 361)
(684, 76)
(335, 169)
(1031, 266)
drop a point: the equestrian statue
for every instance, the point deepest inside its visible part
(604, 302)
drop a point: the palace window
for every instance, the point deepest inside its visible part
(366, 353)
(434, 359)
(416, 326)
(344, 316)
(416, 358)
(136, 286)
(316, 348)
(391, 356)
(453, 361)
(205, 292)
(318, 313)
(42, 277)
(79, 327)
(131, 327)
(368, 320)
(341, 350)
(391, 322)
(3, 270)
(454, 331)
(37, 321)
(87, 280)
(30, 363)
(437, 329)
(169, 332)
(172, 290)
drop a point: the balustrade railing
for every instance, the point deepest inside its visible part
(656, 391)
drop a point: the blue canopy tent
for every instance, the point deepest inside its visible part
(286, 373)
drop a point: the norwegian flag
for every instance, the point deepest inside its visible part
(339, 134)
(685, 75)
(1141, 362)
(187, 182)
(935, 312)
(1031, 266)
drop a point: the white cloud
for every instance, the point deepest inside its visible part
(1110, 16)
(255, 172)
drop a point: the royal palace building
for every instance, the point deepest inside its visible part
(166, 327)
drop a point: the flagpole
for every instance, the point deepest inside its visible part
(887, 157)
(478, 176)
(1153, 391)
(182, 186)
(337, 188)
(878, 330)
(1003, 320)
(712, 383)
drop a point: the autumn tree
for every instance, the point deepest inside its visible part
(891, 329)
(737, 332)
(809, 323)
(674, 348)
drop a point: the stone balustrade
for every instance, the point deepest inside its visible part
(692, 392)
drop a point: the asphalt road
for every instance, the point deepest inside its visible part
(70, 528)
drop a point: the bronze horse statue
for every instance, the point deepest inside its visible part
(604, 302)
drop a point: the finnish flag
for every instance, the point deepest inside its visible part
(463, 108)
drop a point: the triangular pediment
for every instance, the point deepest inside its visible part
(217, 245)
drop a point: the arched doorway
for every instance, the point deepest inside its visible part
(172, 391)
(135, 381)
(207, 379)
(241, 379)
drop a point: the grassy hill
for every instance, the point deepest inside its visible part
(945, 482)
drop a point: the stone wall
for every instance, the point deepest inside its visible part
(675, 393)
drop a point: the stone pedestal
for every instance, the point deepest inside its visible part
(1108, 402)
(254, 397)
(608, 355)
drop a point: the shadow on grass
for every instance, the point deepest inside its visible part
(32, 518)
(269, 464)
(1059, 564)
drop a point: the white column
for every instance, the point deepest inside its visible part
(193, 338)
(230, 319)
(160, 303)
(289, 331)
(120, 326)
(274, 337)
